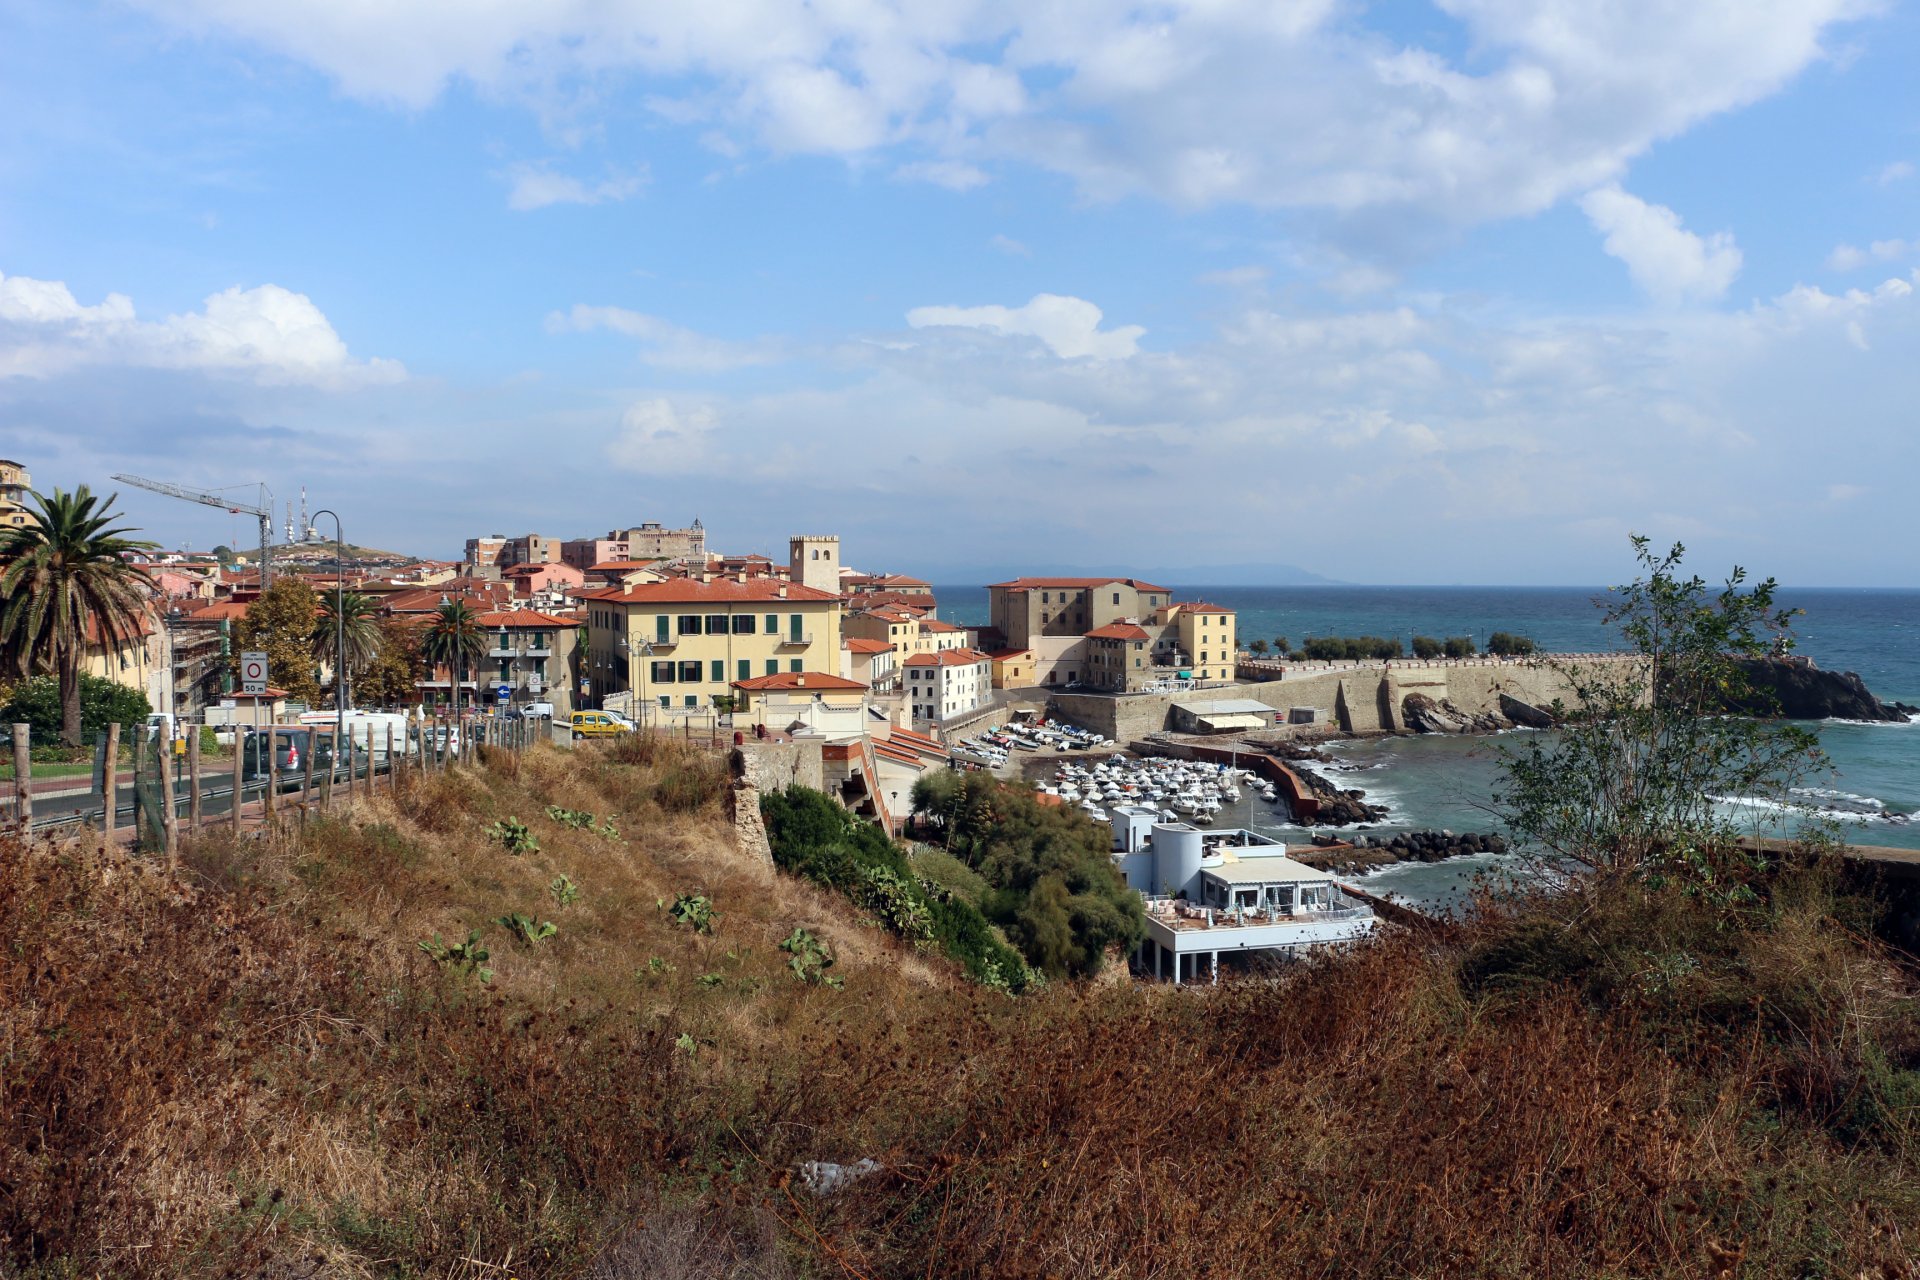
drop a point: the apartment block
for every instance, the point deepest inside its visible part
(679, 644)
(950, 683)
(15, 484)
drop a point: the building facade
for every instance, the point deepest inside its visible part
(813, 561)
(648, 541)
(950, 683)
(682, 643)
(530, 654)
(15, 484)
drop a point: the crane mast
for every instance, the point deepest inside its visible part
(263, 513)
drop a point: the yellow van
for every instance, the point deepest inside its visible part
(595, 724)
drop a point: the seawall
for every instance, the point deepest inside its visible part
(1363, 699)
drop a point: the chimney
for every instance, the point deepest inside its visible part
(783, 593)
(801, 683)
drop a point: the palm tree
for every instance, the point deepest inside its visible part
(454, 637)
(353, 620)
(65, 581)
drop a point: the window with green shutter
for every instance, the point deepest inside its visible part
(745, 667)
(773, 666)
(793, 664)
(773, 624)
(794, 624)
(660, 624)
(719, 669)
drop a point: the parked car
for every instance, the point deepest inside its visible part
(288, 753)
(537, 711)
(597, 724)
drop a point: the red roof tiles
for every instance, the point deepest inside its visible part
(1032, 584)
(813, 681)
(718, 591)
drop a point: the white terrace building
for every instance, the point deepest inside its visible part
(1228, 893)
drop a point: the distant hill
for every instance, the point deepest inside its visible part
(1216, 575)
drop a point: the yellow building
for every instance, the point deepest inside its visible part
(1013, 669)
(680, 644)
(896, 627)
(1207, 641)
(15, 484)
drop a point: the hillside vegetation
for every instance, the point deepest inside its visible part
(259, 1071)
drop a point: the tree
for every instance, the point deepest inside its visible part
(1507, 645)
(389, 678)
(1281, 647)
(36, 702)
(281, 624)
(357, 626)
(1258, 648)
(1629, 785)
(1427, 647)
(454, 638)
(67, 586)
(1460, 646)
(223, 554)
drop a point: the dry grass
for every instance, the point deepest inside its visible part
(255, 1072)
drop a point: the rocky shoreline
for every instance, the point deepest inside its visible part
(1365, 853)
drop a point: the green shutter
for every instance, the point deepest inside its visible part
(773, 666)
(745, 666)
(719, 668)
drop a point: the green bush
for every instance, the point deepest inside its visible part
(1507, 645)
(1427, 647)
(36, 702)
(813, 836)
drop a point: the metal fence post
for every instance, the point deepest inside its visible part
(169, 822)
(239, 779)
(193, 780)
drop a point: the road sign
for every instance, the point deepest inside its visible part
(253, 673)
(504, 692)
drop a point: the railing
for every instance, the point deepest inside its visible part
(791, 641)
(1175, 912)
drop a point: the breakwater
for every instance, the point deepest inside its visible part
(1358, 699)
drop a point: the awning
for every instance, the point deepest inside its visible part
(1233, 722)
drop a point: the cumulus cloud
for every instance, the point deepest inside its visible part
(1280, 106)
(1009, 246)
(666, 344)
(1889, 174)
(659, 437)
(538, 186)
(268, 334)
(1668, 262)
(951, 174)
(1069, 327)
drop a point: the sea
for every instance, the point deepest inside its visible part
(1872, 793)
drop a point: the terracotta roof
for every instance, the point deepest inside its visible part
(528, 618)
(1034, 584)
(946, 658)
(1006, 654)
(1117, 631)
(890, 615)
(627, 564)
(860, 644)
(934, 624)
(810, 680)
(223, 610)
(1201, 606)
(719, 591)
(896, 599)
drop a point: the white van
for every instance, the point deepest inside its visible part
(536, 711)
(367, 730)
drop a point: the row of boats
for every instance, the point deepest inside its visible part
(1193, 789)
(992, 745)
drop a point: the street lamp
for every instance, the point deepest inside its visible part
(339, 646)
(642, 651)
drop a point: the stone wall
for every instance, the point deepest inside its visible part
(749, 826)
(1363, 700)
(775, 766)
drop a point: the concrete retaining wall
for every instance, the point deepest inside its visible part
(1358, 699)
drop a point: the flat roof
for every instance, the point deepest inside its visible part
(1265, 871)
(1227, 707)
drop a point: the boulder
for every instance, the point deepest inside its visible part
(1795, 688)
(1525, 713)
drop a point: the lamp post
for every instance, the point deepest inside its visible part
(340, 646)
(638, 693)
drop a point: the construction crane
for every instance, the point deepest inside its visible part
(263, 513)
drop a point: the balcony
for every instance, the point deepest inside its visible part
(500, 651)
(538, 651)
(792, 641)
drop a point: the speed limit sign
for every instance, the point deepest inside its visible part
(253, 673)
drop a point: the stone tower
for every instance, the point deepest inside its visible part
(814, 561)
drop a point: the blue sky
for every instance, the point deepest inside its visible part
(1460, 292)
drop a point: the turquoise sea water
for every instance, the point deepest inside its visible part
(1433, 782)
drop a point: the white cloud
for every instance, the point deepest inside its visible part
(1668, 262)
(1070, 327)
(666, 344)
(1009, 246)
(1194, 101)
(537, 186)
(1246, 277)
(951, 174)
(269, 334)
(1898, 171)
(1845, 492)
(660, 438)
(1846, 257)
